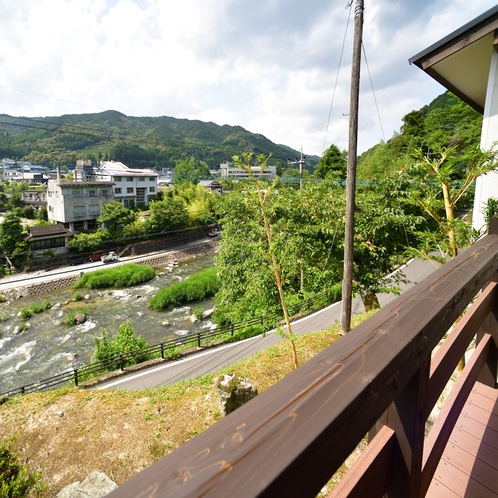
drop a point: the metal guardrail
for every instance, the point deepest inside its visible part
(167, 349)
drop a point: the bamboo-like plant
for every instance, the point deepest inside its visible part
(244, 162)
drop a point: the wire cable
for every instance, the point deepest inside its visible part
(337, 75)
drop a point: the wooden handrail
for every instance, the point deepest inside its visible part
(289, 440)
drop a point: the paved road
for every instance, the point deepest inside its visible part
(213, 359)
(24, 279)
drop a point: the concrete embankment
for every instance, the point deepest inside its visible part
(48, 283)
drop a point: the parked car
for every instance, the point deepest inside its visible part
(111, 257)
(97, 255)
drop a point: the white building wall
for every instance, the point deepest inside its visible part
(487, 185)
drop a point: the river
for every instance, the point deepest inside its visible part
(49, 347)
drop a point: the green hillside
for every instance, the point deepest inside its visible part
(155, 142)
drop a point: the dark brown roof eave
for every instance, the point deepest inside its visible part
(473, 30)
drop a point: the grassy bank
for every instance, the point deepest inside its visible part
(119, 276)
(196, 288)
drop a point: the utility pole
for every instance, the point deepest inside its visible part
(300, 162)
(347, 282)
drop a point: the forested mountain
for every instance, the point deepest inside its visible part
(155, 142)
(445, 122)
(158, 142)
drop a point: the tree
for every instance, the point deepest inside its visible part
(441, 182)
(125, 341)
(270, 247)
(166, 215)
(333, 160)
(85, 242)
(41, 213)
(381, 227)
(190, 170)
(11, 238)
(115, 216)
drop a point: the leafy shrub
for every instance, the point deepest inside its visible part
(15, 481)
(23, 326)
(78, 296)
(335, 293)
(246, 333)
(196, 288)
(124, 342)
(120, 276)
(29, 311)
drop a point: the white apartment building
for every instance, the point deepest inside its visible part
(230, 171)
(77, 203)
(130, 186)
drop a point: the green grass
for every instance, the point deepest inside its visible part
(196, 288)
(29, 311)
(69, 320)
(120, 276)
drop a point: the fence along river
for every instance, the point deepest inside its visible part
(49, 347)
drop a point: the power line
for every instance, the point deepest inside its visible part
(337, 75)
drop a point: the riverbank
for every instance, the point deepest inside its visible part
(18, 286)
(48, 346)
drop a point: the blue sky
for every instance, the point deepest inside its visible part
(270, 66)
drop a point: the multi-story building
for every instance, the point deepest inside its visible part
(77, 203)
(230, 171)
(130, 186)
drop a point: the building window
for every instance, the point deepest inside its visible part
(49, 244)
(129, 178)
(141, 179)
(117, 178)
(79, 209)
(117, 190)
(152, 179)
(152, 189)
(77, 192)
(94, 209)
(92, 193)
(129, 190)
(104, 192)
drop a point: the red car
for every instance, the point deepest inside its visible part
(96, 255)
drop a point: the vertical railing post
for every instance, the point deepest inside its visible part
(121, 361)
(198, 339)
(162, 350)
(406, 416)
(231, 328)
(76, 377)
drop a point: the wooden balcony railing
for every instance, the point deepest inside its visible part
(383, 378)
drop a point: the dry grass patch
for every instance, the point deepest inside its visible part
(70, 432)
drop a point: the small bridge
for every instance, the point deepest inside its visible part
(382, 379)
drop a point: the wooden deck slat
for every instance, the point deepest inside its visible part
(469, 466)
(472, 465)
(475, 445)
(478, 429)
(459, 482)
(439, 490)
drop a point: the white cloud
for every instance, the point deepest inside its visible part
(269, 66)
